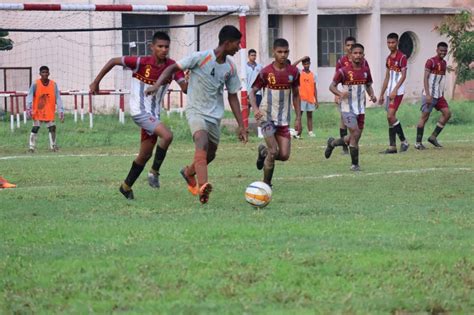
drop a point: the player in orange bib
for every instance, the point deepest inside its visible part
(42, 100)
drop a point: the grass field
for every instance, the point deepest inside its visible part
(396, 238)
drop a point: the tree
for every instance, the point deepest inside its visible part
(5, 43)
(459, 31)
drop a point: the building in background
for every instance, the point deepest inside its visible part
(316, 28)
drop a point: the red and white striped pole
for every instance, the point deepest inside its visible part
(243, 72)
(120, 7)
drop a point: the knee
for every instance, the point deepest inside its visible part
(35, 129)
(284, 157)
(447, 115)
(210, 157)
(167, 138)
(272, 153)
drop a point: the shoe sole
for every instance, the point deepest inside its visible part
(329, 148)
(206, 191)
(193, 190)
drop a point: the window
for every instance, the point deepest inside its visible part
(332, 31)
(135, 42)
(407, 44)
(273, 31)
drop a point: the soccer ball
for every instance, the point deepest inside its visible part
(258, 194)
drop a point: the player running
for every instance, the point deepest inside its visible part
(145, 109)
(281, 82)
(356, 80)
(434, 80)
(210, 71)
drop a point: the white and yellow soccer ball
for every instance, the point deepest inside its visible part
(258, 194)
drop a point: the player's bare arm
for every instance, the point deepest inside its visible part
(94, 86)
(384, 86)
(297, 106)
(184, 86)
(371, 93)
(235, 106)
(426, 85)
(393, 94)
(340, 94)
(253, 102)
(299, 60)
(164, 77)
(316, 102)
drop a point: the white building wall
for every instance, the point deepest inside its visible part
(80, 63)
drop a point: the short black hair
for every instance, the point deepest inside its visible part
(349, 39)
(442, 44)
(252, 51)
(229, 32)
(306, 60)
(44, 68)
(392, 36)
(357, 45)
(160, 35)
(280, 42)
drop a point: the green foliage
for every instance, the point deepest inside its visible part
(458, 29)
(5, 43)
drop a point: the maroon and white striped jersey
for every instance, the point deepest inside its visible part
(276, 101)
(145, 73)
(356, 82)
(395, 65)
(437, 79)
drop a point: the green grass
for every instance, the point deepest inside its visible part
(395, 239)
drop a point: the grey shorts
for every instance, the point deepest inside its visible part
(37, 123)
(352, 120)
(307, 107)
(147, 122)
(197, 123)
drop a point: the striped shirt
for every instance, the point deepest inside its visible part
(395, 65)
(356, 82)
(145, 73)
(276, 102)
(437, 79)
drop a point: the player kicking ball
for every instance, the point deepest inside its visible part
(209, 70)
(281, 82)
(145, 109)
(356, 80)
(434, 81)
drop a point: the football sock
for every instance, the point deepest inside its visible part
(52, 137)
(438, 129)
(134, 173)
(398, 129)
(160, 155)
(268, 168)
(354, 155)
(342, 132)
(338, 142)
(33, 136)
(392, 136)
(419, 134)
(200, 165)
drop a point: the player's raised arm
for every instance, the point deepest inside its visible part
(94, 86)
(164, 77)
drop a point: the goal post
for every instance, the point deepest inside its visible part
(76, 40)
